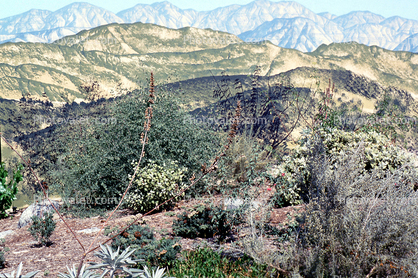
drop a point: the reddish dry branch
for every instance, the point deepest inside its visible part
(147, 126)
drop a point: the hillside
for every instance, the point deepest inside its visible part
(123, 54)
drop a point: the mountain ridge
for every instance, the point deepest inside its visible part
(124, 53)
(245, 21)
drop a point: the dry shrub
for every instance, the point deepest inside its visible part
(356, 224)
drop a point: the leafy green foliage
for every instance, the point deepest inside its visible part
(154, 184)
(8, 190)
(204, 262)
(98, 162)
(156, 252)
(42, 227)
(287, 192)
(206, 222)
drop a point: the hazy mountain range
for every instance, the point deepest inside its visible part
(286, 24)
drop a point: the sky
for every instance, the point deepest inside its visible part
(387, 8)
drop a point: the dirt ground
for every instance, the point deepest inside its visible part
(67, 251)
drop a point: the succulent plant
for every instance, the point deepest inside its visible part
(84, 273)
(19, 273)
(160, 252)
(113, 261)
(158, 273)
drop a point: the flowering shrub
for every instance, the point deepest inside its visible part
(154, 185)
(292, 176)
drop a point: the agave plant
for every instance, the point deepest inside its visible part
(158, 273)
(84, 273)
(19, 273)
(113, 261)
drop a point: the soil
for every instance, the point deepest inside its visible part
(66, 251)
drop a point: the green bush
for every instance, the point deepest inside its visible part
(204, 262)
(154, 184)
(156, 252)
(292, 176)
(96, 163)
(8, 190)
(42, 228)
(206, 222)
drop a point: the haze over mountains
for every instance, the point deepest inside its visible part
(286, 24)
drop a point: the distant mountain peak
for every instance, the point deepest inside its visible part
(286, 23)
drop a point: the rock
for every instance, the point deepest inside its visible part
(230, 203)
(6, 233)
(255, 205)
(35, 209)
(89, 231)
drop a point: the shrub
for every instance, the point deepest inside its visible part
(156, 252)
(292, 177)
(287, 192)
(243, 163)
(42, 227)
(205, 222)
(8, 190)
(357, 223)
(2, 251)
(154, 184)
(98, 163)
(204, 262)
